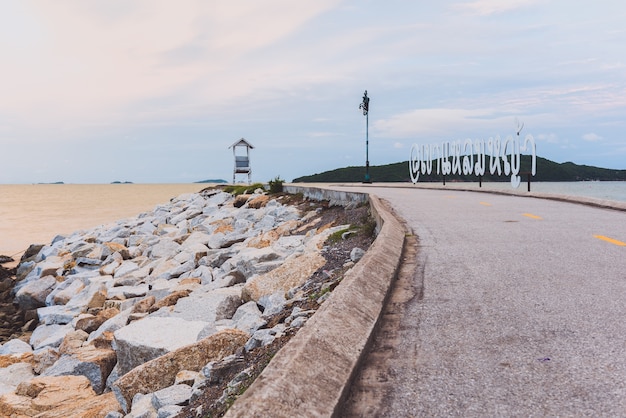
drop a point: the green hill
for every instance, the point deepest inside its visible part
(212, 181)
(399, 172)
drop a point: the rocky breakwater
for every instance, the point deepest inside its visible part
(139, 317)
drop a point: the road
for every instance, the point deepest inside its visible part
(510, 306)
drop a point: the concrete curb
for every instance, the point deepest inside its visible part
(311, 375)
(471, 187)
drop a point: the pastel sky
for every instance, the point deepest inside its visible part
(93, 91)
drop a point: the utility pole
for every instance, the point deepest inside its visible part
(365, 106)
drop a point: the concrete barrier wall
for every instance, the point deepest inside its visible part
(311, 375)
(335, 197)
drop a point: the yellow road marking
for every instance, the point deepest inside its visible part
(611, 240)
(531, 216)
(450, 197)
(485, 204)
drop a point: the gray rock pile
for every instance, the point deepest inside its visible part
(134, 318)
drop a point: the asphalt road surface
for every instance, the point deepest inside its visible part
(510, 306)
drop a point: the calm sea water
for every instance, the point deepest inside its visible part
(606, 190)
(37, 213)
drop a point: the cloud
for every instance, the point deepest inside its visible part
(550, 138)
(98, 62)
(322, 134)
(591, 137)
(187, 79)
(490, 7)
(441, 122)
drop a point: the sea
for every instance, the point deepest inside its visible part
(36, 213)
(604, 190)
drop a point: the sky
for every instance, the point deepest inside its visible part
(152, 91)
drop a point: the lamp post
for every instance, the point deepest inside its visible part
(365, 106)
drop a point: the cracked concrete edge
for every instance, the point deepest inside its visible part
(311, 375)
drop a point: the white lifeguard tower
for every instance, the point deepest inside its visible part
(242, 162)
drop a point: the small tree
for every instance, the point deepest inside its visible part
(276, 185)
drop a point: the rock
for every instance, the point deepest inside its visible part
(204, 273)
(250, 261)
(228, 280)
(72, 341)
(241, 200)
(288, 245)
(23, 269)
(88, 262)
(248, 318)
(95, 364)
(192, 253)
(144, 305)
(263, 240)
(171, 395)
(33, 294)
(186, 377)
(216, 371)
(165, 248)
(51, 266)
(209, 306)
(111, 325)
(111, 264)
(126, 281)
(92, 296)
(170, 300)
(177, 270)
(44, 358)
(64, 291)
(161, 372)
(273, 304)
(264, 337)
(113, 247)
(57, 314)
(188, 214)
(15, 346)
(9, 359)
(258, 202)
(31, 252)
(152, 337)
(292, 273)
(49, 335)
(126, 268)
(91, 323)
(57, 397)
(142, 407)
(356, 254)
(127, 292)
(231, 239)
(11, 376)
(169, 411)
(156, 282)
(196, 238)
(298, 322)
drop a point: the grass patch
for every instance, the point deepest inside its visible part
(337, 236)
(237, 190)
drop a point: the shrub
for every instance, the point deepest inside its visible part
(243, 188)
(276, 185)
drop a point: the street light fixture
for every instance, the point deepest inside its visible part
(365, 106)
